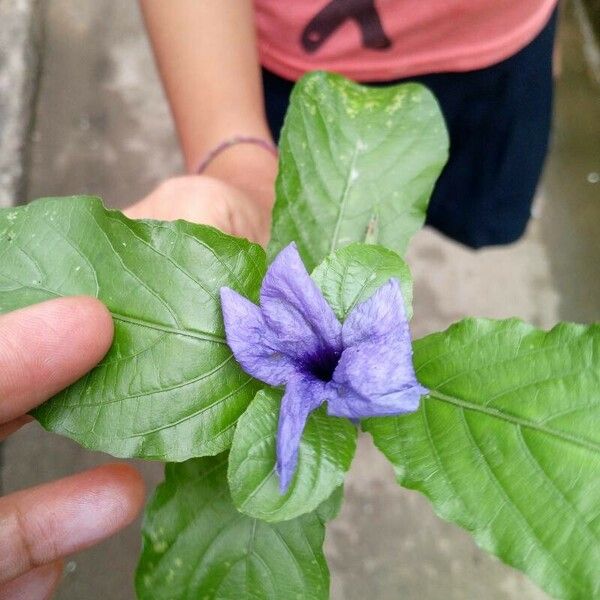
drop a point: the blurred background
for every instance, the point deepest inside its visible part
(82, 111)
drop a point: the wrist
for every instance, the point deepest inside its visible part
(250, 168)
(263, 143)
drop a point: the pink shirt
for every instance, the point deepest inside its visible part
(378, 40)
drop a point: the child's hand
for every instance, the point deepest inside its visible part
(204, 199)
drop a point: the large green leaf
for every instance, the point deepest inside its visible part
(357, 163)
(197, 545)
(326, 452)
(169, 388)
(353, 274)
(507, 444)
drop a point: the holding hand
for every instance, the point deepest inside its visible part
(43, 349)
(203, 199)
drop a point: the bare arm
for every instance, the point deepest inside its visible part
(207, 57)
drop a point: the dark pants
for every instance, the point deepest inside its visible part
(499, 121)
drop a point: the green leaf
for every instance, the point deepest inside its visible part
(507, 444)
(357, 163)
(169, 388)
(353, 274)
(196, 544)
(326, 451)
(330, 509)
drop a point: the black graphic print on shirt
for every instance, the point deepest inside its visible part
(336, 13)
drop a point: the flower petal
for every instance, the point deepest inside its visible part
(301, 397)
(296, 312)
(249, 340)
(348, 403)
(377, 317)
(375, 374)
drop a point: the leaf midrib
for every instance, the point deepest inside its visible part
(514, 420)
(191, 333)
(345, 196)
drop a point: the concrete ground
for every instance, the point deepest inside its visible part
(20, 40)
(102, 127)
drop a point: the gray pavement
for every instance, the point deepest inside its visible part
(20, 41)
(103, 127)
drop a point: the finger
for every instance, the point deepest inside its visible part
(37, 584)
(45, 347)
(7, 429)
(42, 524)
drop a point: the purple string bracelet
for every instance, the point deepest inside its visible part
(233, 141)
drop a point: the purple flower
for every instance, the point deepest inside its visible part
(362, 368)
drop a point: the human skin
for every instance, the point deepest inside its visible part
(43, 349)
(207, 56)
